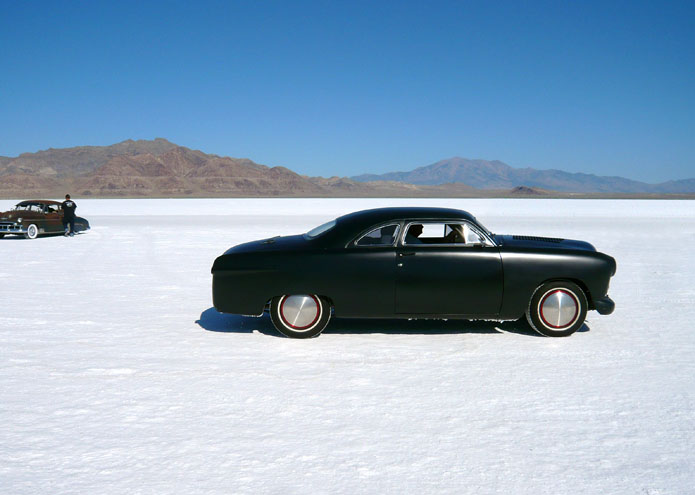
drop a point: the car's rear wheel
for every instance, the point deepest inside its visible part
(300, 316)
(557, 309)
(32, 232)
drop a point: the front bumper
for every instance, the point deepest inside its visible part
(604, 305)
(12, 228)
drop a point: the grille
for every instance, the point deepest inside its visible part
(8, 227)
(538, 239)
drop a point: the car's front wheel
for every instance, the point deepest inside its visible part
(300, 316)
(557, 309)
(32, 232)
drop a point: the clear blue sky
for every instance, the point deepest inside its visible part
(342, 88)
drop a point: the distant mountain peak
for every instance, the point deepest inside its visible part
(497, 175)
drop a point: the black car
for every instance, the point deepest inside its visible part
(413, 263)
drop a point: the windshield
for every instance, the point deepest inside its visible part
(321, 229)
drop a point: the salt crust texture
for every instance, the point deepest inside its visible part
(117, 376)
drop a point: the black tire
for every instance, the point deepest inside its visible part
(32, 231)
(300, 316)
(557, 309)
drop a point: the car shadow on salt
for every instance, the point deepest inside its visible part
(214, 321)
(11, 237)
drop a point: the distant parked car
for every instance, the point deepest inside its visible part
(413, 263)
(36, 217)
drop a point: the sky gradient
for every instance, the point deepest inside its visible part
(344, 88)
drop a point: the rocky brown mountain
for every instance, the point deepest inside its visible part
(70, 162)
(182, 171)
(145, 168)
(159, 168)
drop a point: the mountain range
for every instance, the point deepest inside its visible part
(143, 168)
(160, 168)
(483, 174)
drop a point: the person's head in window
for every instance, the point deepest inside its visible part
(456, 233)
(412, 237)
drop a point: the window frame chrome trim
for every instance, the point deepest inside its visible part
(396, 236)
(489, 241)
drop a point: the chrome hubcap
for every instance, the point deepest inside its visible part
(559, 308)
(300, 312)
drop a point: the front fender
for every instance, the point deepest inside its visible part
(525, 270)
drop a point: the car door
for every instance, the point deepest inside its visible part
(452, 268)
(34, 215)
(363, 274)
(53, 219)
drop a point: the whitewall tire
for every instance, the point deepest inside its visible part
(32, 232)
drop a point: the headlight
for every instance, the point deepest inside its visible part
(19, 220)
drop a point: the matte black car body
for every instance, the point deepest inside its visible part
(35, 217)
(493, 279)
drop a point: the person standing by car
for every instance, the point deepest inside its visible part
(68, 206)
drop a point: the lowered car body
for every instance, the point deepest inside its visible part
(413, 263)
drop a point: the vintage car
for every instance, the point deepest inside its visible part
(36, 217)
(413, 263)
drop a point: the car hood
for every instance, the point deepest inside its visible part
(285, 243)
(10, 216)
(533, 242)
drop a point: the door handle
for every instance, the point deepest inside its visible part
(408, 253)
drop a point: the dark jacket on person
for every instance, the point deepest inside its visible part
(68, 206)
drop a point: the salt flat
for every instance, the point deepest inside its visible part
(117, 376)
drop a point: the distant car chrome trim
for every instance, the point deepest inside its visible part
(11, 228)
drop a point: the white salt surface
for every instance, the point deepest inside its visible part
(116, 376)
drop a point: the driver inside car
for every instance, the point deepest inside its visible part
(414, 232)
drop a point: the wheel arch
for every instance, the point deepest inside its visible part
(580, 283)
(327, 298)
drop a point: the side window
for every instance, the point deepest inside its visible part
(428, 233)
(433, 233)
(381, 236)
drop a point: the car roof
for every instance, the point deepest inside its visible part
(39, 201)
(400, 213)
(350, 225)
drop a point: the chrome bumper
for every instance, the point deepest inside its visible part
(12, 228)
